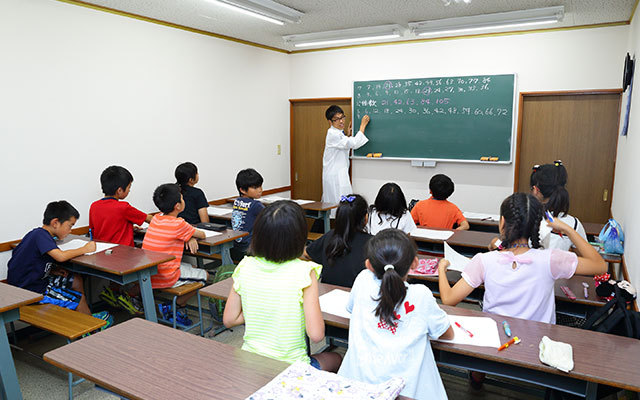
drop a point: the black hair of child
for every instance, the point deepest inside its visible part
(248, 178)
(279, 232)
(332, 111)
(185, 172)
(115, 177)
(350, 219)
(166, 196)
(61, 209)
(390, 247)
(391, 201)
(551, 179)
(441, 187)
(522, 217)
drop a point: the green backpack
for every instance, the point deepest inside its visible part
(216, 306)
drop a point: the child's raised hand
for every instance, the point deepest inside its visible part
(442, 266)
(90, 247)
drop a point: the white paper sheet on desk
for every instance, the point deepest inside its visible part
(77, 243)
(431, 234)
(481, 216)
(335, 302)
(303, 202)
(485, 331)
(208, 233)
(218, 211)
(272, 199)
(458, 261)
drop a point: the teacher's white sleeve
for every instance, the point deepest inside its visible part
(340, 141)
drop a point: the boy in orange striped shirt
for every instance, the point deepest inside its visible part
(169, 234)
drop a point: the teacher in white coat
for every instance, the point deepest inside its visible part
(335, 161)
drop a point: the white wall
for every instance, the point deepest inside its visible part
(565, 60)
(626, 189)
(83, 89)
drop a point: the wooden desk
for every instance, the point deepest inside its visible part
(521, 362)
(124, 265)
(225, 218)
(314, 210)
(580, 307)
(142, 360)
(592, 228)
(11, 299)
(466, 242)
(483, 225)
(220, 244)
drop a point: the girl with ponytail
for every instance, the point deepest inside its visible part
(548, 186)
(392, 320)
(195, 202)
(341, 250)
(519, 279)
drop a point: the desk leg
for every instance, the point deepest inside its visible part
(144, 279)
(7, 367)
(225, 252)
(327, 222)
(592, 391)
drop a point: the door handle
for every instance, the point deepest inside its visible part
(605, 194)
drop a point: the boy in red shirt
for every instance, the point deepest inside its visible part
(111, 220)
(436, 211)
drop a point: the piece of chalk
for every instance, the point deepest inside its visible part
(370, 155)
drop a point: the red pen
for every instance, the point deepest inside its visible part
(460, 326)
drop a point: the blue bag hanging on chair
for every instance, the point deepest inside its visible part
(612, 237)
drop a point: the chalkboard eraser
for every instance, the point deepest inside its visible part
(484, 158)
(377, 155)
(494, 158)
(370, 155)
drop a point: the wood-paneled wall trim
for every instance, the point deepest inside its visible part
(319, 99)
(83, 230)
(516, 178)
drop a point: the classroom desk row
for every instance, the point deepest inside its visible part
(580, 307)
(469, 243)
(125, 264)
(315, 210)
(591, 351)
(491, 225)
(11, 299)
(132, 366)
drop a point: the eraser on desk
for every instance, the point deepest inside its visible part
(109, 251)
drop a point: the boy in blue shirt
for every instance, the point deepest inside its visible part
(246, 208)
(32, 264)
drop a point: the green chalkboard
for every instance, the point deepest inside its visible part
(449, 118)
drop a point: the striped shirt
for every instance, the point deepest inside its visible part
(167, 234)
(271, 296)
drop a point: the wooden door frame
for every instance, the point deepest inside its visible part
(516, 170)
(291, 104)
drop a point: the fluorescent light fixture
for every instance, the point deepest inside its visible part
(266, 10)
(343, 36)
(536, 16)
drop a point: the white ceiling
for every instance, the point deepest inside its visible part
(324, 15)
